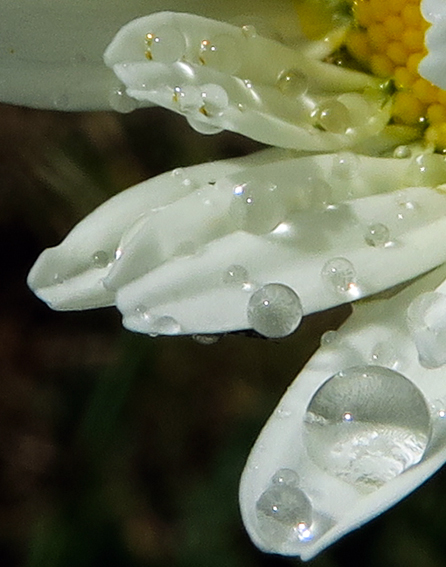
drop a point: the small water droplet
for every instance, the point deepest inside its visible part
(142, 312)
(100, 259)
(221, 52)
(206, 339)
(249, 31)
(333, 116)
(284, 512)
(377, 235)
(236, 275)
(256, 207)
(165, 325)
(340, 274)
(367, 425)
(121, 101)
(274, 310)
(402, 152)
(167, 45)
(438, 409)
(292, 83)
(329, 338)
(345, 165)
(283, 413)
(383, 354)
(426, 317)
(285, 476)
(214, 100)
(428, 170)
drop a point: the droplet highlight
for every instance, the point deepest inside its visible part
(167, 45)
(340, 275)
(366, 425)
(274, 310)
(255, 207)
(377, 235)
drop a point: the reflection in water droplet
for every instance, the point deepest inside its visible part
(340, 274)
(426, 317)
(292, 83)
(167, 45)
(165, 326)
(236, 275)
(221, 53)
(255, 207)
(100, 259)
(377, 235)
(366, 425)
(274, 310)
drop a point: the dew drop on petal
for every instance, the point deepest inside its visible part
(249, 31)
(340, 274)
(333, 116)
(100, 259)
(206, 339)
(167, 45)
(204, 127)
(274, 310)
(283, 512)
(121, 101)
(426, 317)
(367, 425)
(165, 325)
(255, 207)
(377, 235)
(285, 476)
(329, 338)
(402, 152)
(345, 165)
(235, 275)
(292, 83)
(428, 170)
(214, 100)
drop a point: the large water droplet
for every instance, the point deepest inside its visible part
(367, 425)
(426, 318)
(221, 53)
(167, 45)
(274, 310)
(255, 207)
(340, 274)
(377, 235)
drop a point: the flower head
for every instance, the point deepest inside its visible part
(350, 203)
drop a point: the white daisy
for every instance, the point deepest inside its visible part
(351, 202)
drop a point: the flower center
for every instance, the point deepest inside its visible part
(388, 39)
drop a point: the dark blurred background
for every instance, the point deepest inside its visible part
(125, 450)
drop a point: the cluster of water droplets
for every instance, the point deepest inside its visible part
(284, 511)
(366, 425)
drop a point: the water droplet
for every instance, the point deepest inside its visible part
(284, 512)
(274, 310)
(426, 317)
(377, 235)
(333, 116)
(121, 101)
(329, 337)
(292, 83)
(100, 259)
(428, 170)
(221, 53)
(214, 100)
(438, 409)
(340, 274)
(402, 152)
(236, 275)
(206, 339)
(249, 31)
(383, 354)
(165, 326)
(283, 413)
(318, 192)
(285, 477)
(367, 425)
(188, 98)
(345, 165)
(204, 127)
(167, 45)
(142, 311)
(255, 207)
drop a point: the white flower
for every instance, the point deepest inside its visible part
(352, 202)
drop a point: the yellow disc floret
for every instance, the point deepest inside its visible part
(388, 40)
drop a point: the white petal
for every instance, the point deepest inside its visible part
(51, 50)
(325, 226)
(221, 78)
(349, 482)
(433, 65)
